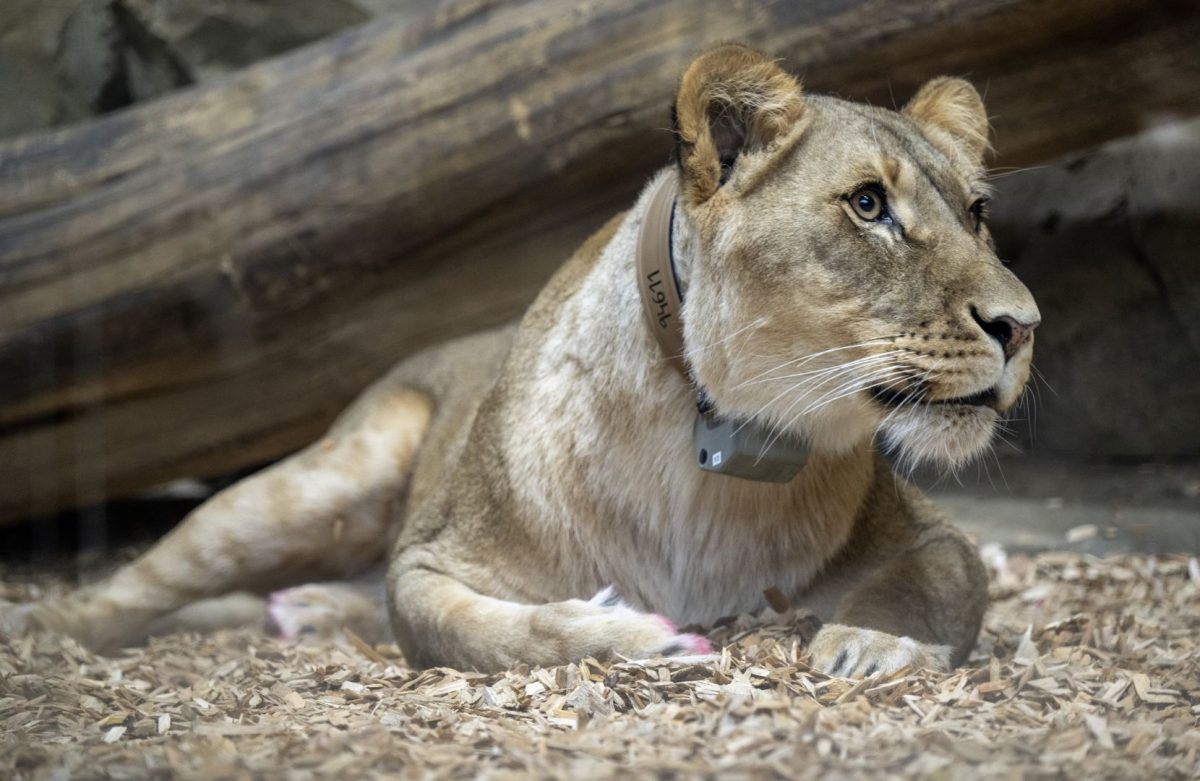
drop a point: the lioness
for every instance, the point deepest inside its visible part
(537, 485)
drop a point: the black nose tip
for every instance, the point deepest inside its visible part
(1010, 334)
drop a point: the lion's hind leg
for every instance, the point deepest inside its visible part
(323, 513)
(312, 611)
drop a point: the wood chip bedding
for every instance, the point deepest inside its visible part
(1086, 668)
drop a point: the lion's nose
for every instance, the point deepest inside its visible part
(1010, 333)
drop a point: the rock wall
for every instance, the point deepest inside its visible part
(66, 60)
(1108, 243)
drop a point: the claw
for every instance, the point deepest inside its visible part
(839, 663)
(607, 597)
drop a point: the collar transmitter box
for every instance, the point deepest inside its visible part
(746, 449)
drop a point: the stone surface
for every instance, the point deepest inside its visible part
(212, 37)
(62, 61)
(1032, 504)
(68, 60)
(30, 90)
(1107, 243)
(88, 58)
(28, 93)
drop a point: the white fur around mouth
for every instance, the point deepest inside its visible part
(949, 434)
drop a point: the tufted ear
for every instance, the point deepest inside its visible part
(951, 115)
(732, 101)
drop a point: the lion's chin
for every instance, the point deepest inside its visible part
(942, 435)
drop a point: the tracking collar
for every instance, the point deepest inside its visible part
(743, 449)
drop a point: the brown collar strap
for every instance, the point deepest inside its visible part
(657, 285)
(729, 447)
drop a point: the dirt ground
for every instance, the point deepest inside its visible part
(1086, 668)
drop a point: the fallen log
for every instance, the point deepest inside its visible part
(200, 283)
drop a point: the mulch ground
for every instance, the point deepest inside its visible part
(1086, 668)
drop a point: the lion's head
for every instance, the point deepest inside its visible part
(840, 279)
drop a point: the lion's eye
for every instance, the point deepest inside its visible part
(978, 211)
(870, 204)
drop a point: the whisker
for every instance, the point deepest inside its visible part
(780, 427)
(856, 363)
(816, 380)
(854, 386)
(904, 460)
(1002, 172)
(756, 323)
(813, 356)
(1000, 467)
(1038, 373)
(987, 471)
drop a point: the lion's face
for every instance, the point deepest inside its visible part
(844, 282)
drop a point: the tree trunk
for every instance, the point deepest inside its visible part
(200, 283)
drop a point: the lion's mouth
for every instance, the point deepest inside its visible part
(896, 397)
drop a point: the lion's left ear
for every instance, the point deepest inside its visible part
(732, 101)
(951, 115)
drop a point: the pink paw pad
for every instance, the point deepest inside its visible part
(666, 623)
(697, 645)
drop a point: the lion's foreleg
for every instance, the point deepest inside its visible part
(439, 620)
(921, 604)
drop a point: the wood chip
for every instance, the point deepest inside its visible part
(1081, 533)
(1141, 684)
(1085, 668)
(1027, 650)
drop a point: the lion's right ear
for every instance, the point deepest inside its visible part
(732, 101)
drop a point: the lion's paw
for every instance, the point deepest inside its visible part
(322, 610)
(609, 625)
(851, 651)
